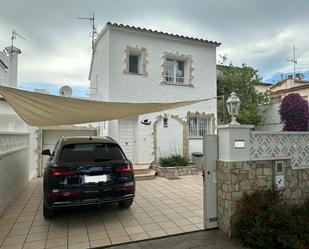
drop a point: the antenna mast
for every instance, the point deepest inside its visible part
(294, 61)
(93, 32)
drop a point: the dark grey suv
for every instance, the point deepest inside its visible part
(87, 171)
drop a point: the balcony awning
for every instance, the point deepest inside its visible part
(38, 109)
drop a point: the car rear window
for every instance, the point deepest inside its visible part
(92, 152)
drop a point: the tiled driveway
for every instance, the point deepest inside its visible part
(161, 207)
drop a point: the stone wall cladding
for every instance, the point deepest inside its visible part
(236, 178)
(175, 171)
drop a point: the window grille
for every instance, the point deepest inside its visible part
(198, 126)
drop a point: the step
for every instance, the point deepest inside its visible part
(148, 176)
(140, 169)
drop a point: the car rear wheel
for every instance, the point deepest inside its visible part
(47, 212)
(125, 204)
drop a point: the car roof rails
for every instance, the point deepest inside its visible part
(109, 138)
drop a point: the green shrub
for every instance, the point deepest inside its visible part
(173, 160)
(266, 221)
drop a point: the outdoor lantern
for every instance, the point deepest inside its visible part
(233, 105)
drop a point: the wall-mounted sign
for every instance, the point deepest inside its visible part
(239, 144)
(279, 181)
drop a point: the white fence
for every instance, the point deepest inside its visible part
(14, 165)
(280, 145)
(11, 142)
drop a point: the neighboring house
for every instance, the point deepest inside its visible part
(9, 66)
(263, 87)
(290, 85)
(277, 92)
(131, 64)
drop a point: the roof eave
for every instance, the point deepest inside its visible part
(160, 33)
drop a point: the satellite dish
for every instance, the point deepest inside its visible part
(65, 91)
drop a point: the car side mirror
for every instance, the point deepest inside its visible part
(46, 152)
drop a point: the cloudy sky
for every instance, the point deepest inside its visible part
(57, 49)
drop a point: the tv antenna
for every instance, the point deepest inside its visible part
(93, 32)
(14, 36)
(294, 61)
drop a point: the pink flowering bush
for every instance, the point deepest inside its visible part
(294, 113)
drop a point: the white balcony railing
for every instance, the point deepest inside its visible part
(177, 80)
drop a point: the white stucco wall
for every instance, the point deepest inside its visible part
(4, 73)
(271, 117)
(169, 139)
(14, 172)
(99, 76)
(8, 77)
(110, 55)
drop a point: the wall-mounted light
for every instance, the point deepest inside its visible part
(146, 122)
(233, 105)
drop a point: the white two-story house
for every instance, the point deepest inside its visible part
(131, 64)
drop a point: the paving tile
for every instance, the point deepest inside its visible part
(173, 230)
(189, 228)
(167, 224)
(139, 236)
(113, 225)
(146, 221)
(156, 233)
(151, 227)
(38, 229)
(39, 244)
(100, 242)
(82, 245)
(98, 235)
(36, 236)
(120, 239)
(117, 232)
(56, 242)
(134, 230)
(15, 246)
(18, 239)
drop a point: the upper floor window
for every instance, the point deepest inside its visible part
(177, 69)
(134, 63)
(175, 72)
(135, 60)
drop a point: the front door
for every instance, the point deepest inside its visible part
(127, 137)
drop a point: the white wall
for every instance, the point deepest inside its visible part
(4, 73)
(169, 139)
(8, 77)
(14, 165)
(14, 171)
(195, 145)
(271, 118)
(139, 88)
(99, 75)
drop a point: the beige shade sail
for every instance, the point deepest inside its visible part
(38, 109)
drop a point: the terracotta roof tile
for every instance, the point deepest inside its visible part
(116, 25)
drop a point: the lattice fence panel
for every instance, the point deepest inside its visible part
(281, 145)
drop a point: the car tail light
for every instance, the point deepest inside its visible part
(61, 194)
(125, 168)
(61, 171)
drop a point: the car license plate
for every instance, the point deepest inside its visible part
(96, 179)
